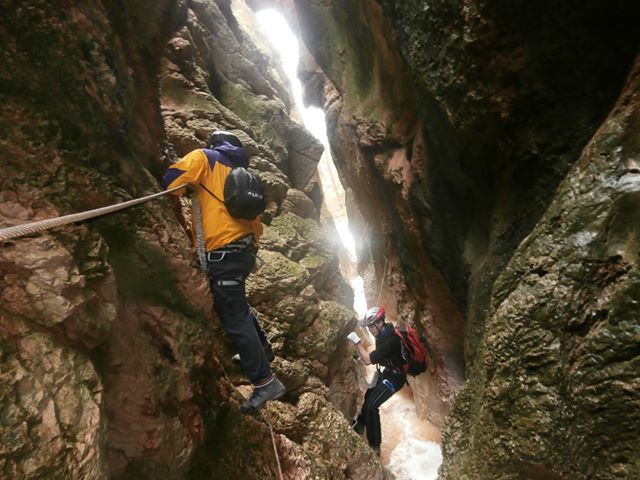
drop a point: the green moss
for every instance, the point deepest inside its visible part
(266, 116)
(313, 262)
(279, 233)
(307, 230)
(362, 47)
(342, 28)
(278, 274)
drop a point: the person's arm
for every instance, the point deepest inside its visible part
(186, 171)
(257, 229)
(357, 341)
(364, 355)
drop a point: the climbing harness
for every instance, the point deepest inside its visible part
(229, 283)
(388, 385)
(28, 228)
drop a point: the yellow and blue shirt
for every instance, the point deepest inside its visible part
(209, 168)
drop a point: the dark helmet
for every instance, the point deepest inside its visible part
(219, 136)
(372, 316)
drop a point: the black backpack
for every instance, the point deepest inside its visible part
(243, 194)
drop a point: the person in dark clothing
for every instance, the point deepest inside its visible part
(388, 354)
(231, 245)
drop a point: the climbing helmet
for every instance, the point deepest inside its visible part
(372, 316)
(219, 136)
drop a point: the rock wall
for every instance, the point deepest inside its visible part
(495, 201)
(556, 390)
(379, 145)
(490, 155)
(112, 362)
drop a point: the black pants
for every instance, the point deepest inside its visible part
(373, 398)
(227, 272)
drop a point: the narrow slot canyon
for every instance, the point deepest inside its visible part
(471, 166)
(410, 444)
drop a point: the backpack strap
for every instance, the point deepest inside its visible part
(211, 193)
(399, 333)
(212, 158)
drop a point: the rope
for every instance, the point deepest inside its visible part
(28, 228)
(275, 450)
(384, 274)
(197, 222)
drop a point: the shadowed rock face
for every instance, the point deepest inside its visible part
(491, 156)
(496, 200)
(557, 380)
(112, 363)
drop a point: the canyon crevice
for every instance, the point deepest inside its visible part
(490, 152)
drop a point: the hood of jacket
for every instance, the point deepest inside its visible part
(236, 155)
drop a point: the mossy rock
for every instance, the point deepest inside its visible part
(322, 337)
(275, 278)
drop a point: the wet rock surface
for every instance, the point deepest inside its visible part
(490, 156)
(560, 355)
(113, 364)
(486, 183)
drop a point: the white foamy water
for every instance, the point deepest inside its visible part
(409, 447)
(415, 459)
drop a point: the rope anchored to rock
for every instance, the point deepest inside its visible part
(29, 228)
(275, 450)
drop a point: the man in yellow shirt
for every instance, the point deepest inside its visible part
(231, 245)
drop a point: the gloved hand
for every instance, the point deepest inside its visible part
(353, 336)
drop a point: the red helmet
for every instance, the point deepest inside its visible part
(372, 316)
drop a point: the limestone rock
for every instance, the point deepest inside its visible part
(464, 131)
(52, 425)
(298, 203)
(113, 364)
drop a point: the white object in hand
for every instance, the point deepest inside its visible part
(353, 336)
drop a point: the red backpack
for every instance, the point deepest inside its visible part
(415, 350)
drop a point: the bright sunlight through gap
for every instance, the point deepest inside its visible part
(414, 458)
(277, 31)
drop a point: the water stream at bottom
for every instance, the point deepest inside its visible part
(410, 445)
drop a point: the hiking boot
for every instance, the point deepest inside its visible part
(261, 395)
(267, 350)
(357, 427)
